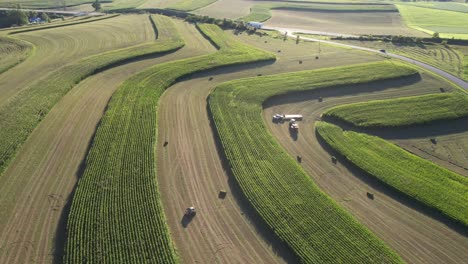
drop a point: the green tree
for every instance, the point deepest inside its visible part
(436, 35)
(96, 5)
(44, 17)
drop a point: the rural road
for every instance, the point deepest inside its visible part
(73, 13)
(290, 32)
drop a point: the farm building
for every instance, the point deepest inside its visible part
(255, 24)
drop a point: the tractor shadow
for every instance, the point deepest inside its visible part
(186, 220)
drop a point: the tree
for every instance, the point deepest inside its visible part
(435, 35)
(44, 17)
(96, 5)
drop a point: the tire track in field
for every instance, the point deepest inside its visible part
(417, 237)
(57, 47)
(36, 187)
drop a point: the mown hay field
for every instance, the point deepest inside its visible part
(448, 24)
(377, 23)
(20, 115)
(422, 180)
(120, 164)
(405, 111)
(285, 203)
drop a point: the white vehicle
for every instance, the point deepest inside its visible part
(283, 117)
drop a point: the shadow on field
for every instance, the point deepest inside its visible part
(277, 245)
(392, 192)
(60, 238)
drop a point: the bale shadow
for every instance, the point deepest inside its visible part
(186, 220)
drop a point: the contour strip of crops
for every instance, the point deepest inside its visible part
(24, 111)
(116, 213)
(13, 52)
(403, 111)
(420, 179)
(315, 227)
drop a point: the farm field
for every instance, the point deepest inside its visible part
(377, 23)
(107, 136)
(225, 230)
(40, 4)
(448, 58)
(348, 186)
(44, 173)
(447, 23)
(71, 43)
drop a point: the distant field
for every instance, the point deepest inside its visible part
(448, 58)
(42, 4)
(377, 23)
(403, 111)
(12, 52)
(447, 23)
(447, 6)
(190, 5)
(262, 12)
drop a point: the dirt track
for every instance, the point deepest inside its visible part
(36, 187)
(417, 234)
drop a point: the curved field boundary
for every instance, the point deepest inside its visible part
(120, 177)
(418, 178)
(23, 112)
(402, 111)
(13, 52)
(262, 12)
(313, 225)
(190, 5)
(81, 21)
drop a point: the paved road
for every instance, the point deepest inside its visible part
(290, 32)
(74, 13)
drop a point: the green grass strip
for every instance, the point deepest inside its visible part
(314, 226)
(25, 110)
(465, 66)
(190, 5)
(13, 52)
(262, 12)
(116, 214)
(422, 180)
(403, 111)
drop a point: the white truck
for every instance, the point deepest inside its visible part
(284, 117)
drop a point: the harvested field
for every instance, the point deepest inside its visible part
(377, 23)
(44, 173)
(190, 5)
(231, 9)
(422, 237)
(71, 43)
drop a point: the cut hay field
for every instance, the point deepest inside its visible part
(37, 187)
(232, 9)
(41, 4)
(422, 237)
(262, 12)
(283, 202)
(377, 23)
(447, 23)
(448, 58)
(190, 5)
(69, 44)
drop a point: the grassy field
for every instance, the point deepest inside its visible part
(41, 4)
(259, 166)
(190, 5)
(426, 182)
(445, 57)
(447, 6)
(403, 111)
(19, 116)
(447, 23)
(124, 149)
(262, 12)
(13, 52)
